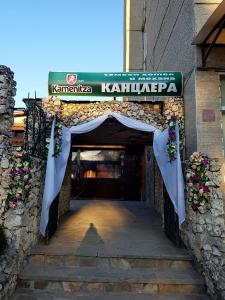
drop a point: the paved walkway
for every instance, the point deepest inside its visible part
(110, 228)
(109, 250)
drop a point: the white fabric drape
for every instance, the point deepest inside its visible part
(56, 167)
(171, 171)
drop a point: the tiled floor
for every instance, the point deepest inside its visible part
(111, 228)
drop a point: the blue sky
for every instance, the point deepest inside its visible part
(38, 36)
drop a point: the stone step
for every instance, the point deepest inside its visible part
(125, 262)
(98, 280)
(29, 294)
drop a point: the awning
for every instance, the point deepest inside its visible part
(212, 33)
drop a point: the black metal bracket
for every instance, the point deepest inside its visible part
(206, 48)
(35, 131)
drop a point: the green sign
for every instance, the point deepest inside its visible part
(115, 84)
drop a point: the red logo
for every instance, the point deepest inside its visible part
(71, 78)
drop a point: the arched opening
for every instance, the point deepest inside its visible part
(132, 146)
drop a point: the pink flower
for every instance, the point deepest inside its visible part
(190, 184)
(207, 174)
(201, 191)
(196, 154)
(12, 204)
(18, 160)
(25, 168)
(17, 195)
(201, 209)
(194, 167)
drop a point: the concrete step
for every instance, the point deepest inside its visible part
(98, 280)
(29, 294)
(122, 262)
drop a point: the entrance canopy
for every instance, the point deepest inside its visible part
(112, 132)
(56, 166)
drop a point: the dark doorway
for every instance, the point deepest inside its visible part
(106, 173)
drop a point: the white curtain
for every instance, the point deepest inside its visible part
(56, 166)
(171, 171)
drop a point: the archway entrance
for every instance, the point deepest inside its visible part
(171, 172)
(108, 163)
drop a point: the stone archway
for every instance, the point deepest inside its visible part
(76, 113)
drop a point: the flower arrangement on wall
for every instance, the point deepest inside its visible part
(58, 133)
(197, 177)
(21, 177)
(171, 142)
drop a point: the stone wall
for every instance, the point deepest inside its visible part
(77, 113)
(204, 234)
(7, 92)
(155, 114)
(20, 225)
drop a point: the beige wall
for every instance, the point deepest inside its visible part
(208, 97)
(168, 28)
(203, 10)
(167, 32)
(133, 36)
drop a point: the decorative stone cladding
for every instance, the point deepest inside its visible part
(20, 225)
(148, 112)
(7, 92)
(77, 113)
(204, 235)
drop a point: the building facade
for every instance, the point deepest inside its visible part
(189, 36)
(186, 36)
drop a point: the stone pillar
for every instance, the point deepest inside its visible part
(7, 92)
(204, 235)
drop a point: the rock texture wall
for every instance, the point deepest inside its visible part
(204, 234)
(7, 92)
(77, 113)
(20, 225)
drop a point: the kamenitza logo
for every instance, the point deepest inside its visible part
(71, 79)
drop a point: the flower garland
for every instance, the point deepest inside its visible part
(171, 142)
(21, 177)
(197, 176)
(58, 133)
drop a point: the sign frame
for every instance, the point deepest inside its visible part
(116, 84)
